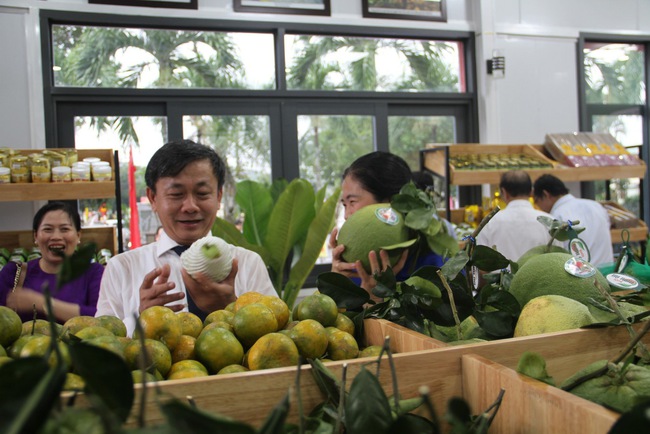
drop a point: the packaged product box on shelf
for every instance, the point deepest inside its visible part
(625, 225)
(588, 150)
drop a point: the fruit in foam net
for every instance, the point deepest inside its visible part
(208, 255)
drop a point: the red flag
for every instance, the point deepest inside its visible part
(134, 225)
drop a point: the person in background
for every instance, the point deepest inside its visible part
(184, 185)
(57, 232)
(552, 196)
(515, 230)
(375, 178)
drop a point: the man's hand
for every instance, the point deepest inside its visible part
(209, 295)
(155, 288)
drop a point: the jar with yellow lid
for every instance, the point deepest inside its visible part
(61, 174)
(102, 172)
(56, 158)
(5, 175)
(20, 172)
(80, 172)
(41, 170)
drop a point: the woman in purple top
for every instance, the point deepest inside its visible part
(57, 231)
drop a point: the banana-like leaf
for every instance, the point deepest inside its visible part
(289, 221)
(229, 233)
(256, 202)
(319, 228)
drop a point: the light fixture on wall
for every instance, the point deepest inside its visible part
(496, 66)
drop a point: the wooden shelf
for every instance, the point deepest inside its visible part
(62, 191)
(436, 162)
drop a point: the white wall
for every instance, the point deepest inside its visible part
(538, 38)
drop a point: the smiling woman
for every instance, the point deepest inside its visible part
(57, 232)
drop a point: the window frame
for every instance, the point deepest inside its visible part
(587, 110)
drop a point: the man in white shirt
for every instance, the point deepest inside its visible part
(184, 185)
(515, 230)
(552, 196)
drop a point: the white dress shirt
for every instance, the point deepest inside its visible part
(119, 293)
(515, 230)
(594, 218)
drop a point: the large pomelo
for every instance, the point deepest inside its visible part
(539, 250)
(373, 227)
(545, 275)
(552, 313)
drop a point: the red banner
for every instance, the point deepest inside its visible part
(134, 225)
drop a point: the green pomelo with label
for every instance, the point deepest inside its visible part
(374, 227)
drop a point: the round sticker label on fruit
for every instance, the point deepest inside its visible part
(622, 281)
(579, 268)
(387, 215)
(579, 249)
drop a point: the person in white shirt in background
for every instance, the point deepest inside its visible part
(184, 185)
(552, 196)
(515, 230)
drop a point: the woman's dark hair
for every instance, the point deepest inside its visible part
(171, 159)
(381, 173)
(57, 206)
(553, 185)
(517, 183)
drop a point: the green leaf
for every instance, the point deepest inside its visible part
(443, 244)
(499, 324)
(230, 234)
(22, 409)
(76, 265)
(340, 288)
(405, 203)
(413, 424)
(488, 259)
(277, 187)
(320, 197)
(402, 245)
(420, 285)
(288, 223)
(420, 219)
(317, 233)
(274, 423)
(500, 300)
(454, 265)
(188, 419)
(366, 408)
(256, 202)
(326, 381)
(106, 375)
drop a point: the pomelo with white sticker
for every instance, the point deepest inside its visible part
(622, 281)
(579, 268)
(579, 249)
(387, 215)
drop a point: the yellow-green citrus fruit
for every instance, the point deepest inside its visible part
(343, 322)
(113, 323)
(253, 321)
(373, 227)
(551, 313)
(217, 348)
(273, 350)
(539, 250)
(191, 324)
(185, 349)
(341, 346)
(15, 348)
(109, 342)
(77, 323)
(319, 307)
(222, 324)
(545, 275)
(156, 355)
(137, 376)
(93, 332)
(4, 360)
(219, 315)
(10, 326)
(3, 352)
(40, 327)
(278, 307)
(161, 324)
(184, 365)
(73, 382)
(310, 338)
(232, 369)
(186, 373)
(371, 351)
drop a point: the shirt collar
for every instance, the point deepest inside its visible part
(519, 203)
(561, 201)
(164, 244)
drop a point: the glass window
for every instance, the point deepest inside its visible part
(327, 144)
(242, 141)
(614, 73)
(407, 135)
(144, 134)
(120, 57)
(372, 64)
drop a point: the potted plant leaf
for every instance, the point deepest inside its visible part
(287, 224)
